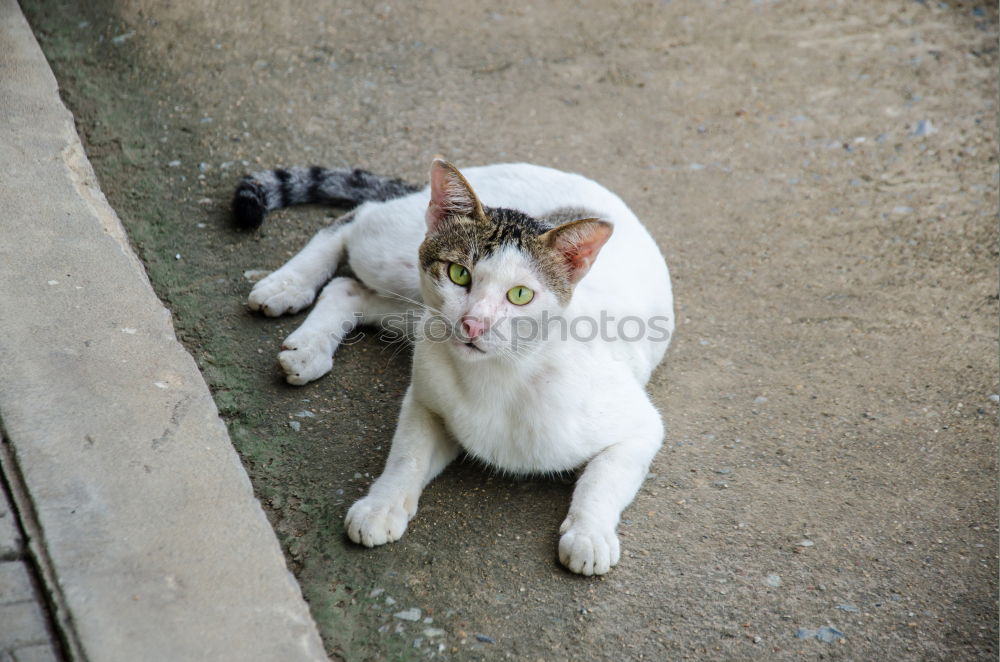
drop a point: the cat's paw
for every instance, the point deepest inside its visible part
(306, 357)
(281, 293)
(375, 521)
(587, 548)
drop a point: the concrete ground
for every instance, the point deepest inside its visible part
(822, 180)
(28, 631)
(131, 531)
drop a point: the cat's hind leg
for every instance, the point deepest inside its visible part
(343, 304)
(293, 287)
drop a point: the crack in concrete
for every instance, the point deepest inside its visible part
(177, 414)
(33, 554)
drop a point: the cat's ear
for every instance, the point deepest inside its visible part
(578, 244)
(451, 195)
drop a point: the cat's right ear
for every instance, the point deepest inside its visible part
(578, 244)
(451, 195)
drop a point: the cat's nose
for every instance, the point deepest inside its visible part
(473, 327)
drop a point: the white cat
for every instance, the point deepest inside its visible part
(539, 306)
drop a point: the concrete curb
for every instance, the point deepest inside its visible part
(151, 537)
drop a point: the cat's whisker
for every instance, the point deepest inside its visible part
(402, 297)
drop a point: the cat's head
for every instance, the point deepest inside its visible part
(491, 273)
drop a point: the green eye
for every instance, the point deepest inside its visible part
(459, 274)
(520, 295)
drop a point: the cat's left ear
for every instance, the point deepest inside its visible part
(578, 243)
(451, 195)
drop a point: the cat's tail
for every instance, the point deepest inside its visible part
(261, 192)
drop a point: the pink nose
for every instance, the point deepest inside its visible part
(472, 327)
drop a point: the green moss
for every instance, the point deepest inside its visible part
(118, 102)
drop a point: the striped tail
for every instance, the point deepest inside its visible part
(261, 192)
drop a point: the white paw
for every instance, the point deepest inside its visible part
(586, 548)
(375, 521)
(306, 357)
(280, 293)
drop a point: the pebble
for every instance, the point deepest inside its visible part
(174, 164)
(485, 639)
(430, 633)
(411, 614)
(253, 275)
(805, 543)
(305, 413)
(389, 600)
(848, 608)
(376, 592)
(723, 472)
(295, 425)
(696, 166)
(924, 128)
(773, 581)
(994, 398)
(122, 38)
(760, 399)
(826, 634)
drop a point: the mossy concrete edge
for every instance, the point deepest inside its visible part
(159, 549)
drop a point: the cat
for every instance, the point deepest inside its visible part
(516, 276)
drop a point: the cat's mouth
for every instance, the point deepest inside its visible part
(472, 345)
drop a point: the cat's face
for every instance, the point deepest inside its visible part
(494, 276)
(487, 299)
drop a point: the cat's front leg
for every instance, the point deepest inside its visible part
(421, 448)
(589, 541)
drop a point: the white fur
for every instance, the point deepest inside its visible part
(545, 406)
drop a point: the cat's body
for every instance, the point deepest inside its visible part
(548, 385)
